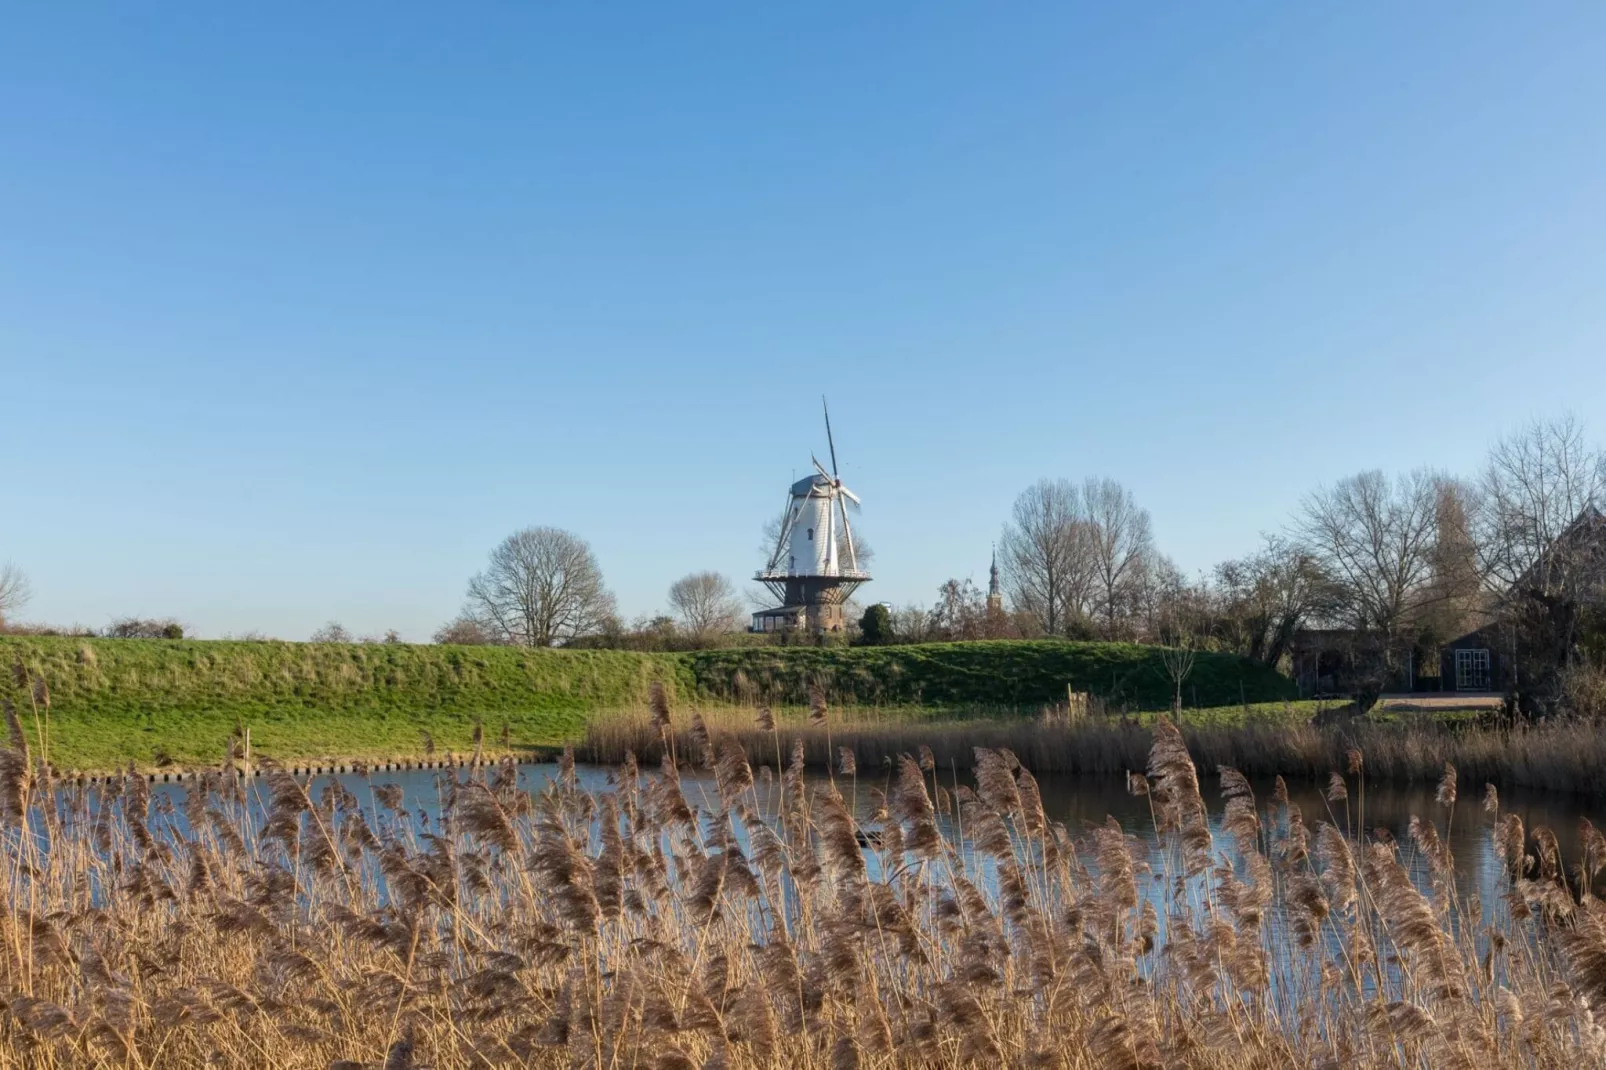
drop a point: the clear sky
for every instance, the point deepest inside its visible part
(303, 308)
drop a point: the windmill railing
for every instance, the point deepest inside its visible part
(798, 574)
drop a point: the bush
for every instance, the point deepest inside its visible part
(875, 627)
(142, 628)
(1583, 690)
(464, 631)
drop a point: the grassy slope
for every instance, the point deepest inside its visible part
(1006, 673)
(115, 701)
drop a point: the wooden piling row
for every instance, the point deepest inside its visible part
(395, 765)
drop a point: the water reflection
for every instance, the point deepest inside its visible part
(1082, 802)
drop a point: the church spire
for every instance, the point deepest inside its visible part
(995, 591)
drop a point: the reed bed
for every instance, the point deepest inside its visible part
(759, 925)
(1560, 755)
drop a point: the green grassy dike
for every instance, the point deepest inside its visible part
(115, 701)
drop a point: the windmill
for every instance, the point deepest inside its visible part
(814, 567)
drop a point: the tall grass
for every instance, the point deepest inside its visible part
(766, 928)
(1558, 755)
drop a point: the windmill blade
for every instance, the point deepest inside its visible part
(847, 529)
(828, 439)
(821, 468)
(788, 518)
(848, 494)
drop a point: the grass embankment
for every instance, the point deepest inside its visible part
(157, 701)
(1003, 675)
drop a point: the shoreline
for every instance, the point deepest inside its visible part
(178, 774)
(1565, 757)
(1559, 757)
(1529, 757)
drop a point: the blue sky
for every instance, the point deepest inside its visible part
(302, 309)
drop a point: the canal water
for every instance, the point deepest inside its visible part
(1082, 802)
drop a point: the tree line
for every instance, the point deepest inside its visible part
(543, 586)
(1403, 563)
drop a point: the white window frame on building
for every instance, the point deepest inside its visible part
(1472, 670)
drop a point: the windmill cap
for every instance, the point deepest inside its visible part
(807, 485)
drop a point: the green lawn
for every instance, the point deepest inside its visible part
(1297, 711)
(201, 737)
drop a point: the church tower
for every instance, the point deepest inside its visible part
(995, 592)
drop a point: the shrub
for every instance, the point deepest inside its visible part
(143, 628)
(875, 627)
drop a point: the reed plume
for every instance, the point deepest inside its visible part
(1446, 792)
(912, 807)
(16, 739)
(817, 707)
(658, 702)
(1176, 788)
(251, 922)
(703, 746)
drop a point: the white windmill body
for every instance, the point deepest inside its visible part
(814, 566)
(811, 543)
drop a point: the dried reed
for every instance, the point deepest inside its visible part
(653, 925)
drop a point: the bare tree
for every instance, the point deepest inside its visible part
(464, 630)
(757, 596)
(333, 632)
(1179, 656)
(1162, 600)
(1264, 598)
(912, 624)
(1121, 543)
(706, 602)
(960, 612)
(15, 591)
(1376, 539)
(1046, 555)
(1542, 545)
(1537, 485)
(1174, 613)
(542, 586)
